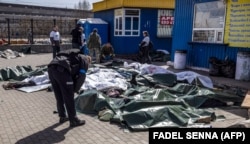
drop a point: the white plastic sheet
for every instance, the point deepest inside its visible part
(42, 82)
(34, 88)
(191, 76)
(153, 69)
(39, 80)
(101, 78)
(10, 54)
(104, 78)
(163, 51)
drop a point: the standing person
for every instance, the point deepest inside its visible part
(94, 45)
(51, 34)
(76, 37)
(144, 48)
(67, 73)
(55, 40)
(83, 48)
(29, 36)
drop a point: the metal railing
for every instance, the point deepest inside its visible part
(34, 30)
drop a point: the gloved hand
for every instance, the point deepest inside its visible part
(107, 58)
(81, 91)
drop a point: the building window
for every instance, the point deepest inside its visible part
(209, 22)
(165, 23)
(127, 22)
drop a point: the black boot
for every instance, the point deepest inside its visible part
(76, 122)
(63, 119)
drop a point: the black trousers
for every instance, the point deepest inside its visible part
(56, 49)
(63, 87)
(76, 45)
(145, 55)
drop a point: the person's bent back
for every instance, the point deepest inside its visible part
(107, 52)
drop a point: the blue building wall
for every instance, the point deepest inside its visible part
(108, 16)
(197, 54)
(129, 45)
(149, 21)
(182, 32)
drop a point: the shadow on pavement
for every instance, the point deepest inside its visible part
(237, 111)
(46, 136)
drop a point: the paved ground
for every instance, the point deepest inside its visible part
(28, 117)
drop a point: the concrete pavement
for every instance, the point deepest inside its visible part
(28, 118)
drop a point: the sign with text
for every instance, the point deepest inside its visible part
(198, 135)
(237, 30)
(166, 20)
(165, 23)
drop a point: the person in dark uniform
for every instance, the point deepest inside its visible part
(76, 37)
(67, 73)
(107, 53)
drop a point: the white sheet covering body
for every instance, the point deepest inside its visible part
(101, 78)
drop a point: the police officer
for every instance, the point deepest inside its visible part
(67, 73)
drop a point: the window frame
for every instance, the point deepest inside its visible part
(122, 31)
(165, 31)
(217, 31)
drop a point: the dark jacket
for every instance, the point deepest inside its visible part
(76, 36)
(107, 50)
(74, 63)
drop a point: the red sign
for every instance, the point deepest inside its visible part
(166, 20)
